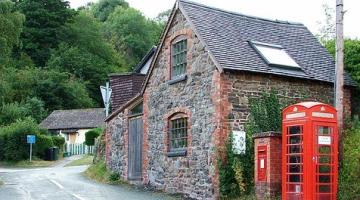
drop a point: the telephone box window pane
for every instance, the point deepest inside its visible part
(324, 188)
(325, 150)
(295, 169)
(324, 169)
(325, 159)
(324, 130)
(295, 178)
(295, 130)
(295, 139)
(294, 159)
(324, 179)
(295, 149)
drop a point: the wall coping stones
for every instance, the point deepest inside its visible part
(267, 134)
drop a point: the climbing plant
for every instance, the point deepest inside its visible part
(236, 172)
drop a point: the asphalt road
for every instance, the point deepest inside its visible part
(64, 183)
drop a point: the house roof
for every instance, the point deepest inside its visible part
(147, 58)
(124, 87)
(74, 119)
(228, 37)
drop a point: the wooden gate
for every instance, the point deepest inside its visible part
(135, 148)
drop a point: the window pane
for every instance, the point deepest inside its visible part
(179, 58)
(178, 133)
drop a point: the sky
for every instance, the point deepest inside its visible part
(308, 12)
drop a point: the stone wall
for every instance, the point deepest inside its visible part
(245, 85)
(116, 145)
(192, 174)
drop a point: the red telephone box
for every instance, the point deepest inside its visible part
(309, 152)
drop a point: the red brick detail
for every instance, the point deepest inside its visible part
(167, 118)
(272, 185)
(221, 89)
(145, 154)
(187, 33)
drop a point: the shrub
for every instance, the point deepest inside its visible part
(349, 175)
(16, 147)
(13, 139)
(91, 135)
(59, 142)
(42, 143)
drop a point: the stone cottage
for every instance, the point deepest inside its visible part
(208, 64)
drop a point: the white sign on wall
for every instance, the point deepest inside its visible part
(239, 145)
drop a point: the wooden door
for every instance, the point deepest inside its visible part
(135, 148)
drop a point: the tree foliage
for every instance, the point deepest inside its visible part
(104, 8)
(85, 54)
(352, 65)
(53, 57)
(131, 33)
(43, 24)
(11, 25)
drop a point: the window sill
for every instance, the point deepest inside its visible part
(177, 79)
(177, 153)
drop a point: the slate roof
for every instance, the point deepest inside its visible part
(227, 36)
(74, 119)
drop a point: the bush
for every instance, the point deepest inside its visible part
(59, 142)
(13, 144)
(42, 143)
(91, 135)
(16, 147)
(349, 174)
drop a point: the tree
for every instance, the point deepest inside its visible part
(131, 33)
(163, 17)
(104, 8)
(43, 23)
(11, 25)
(58, 90)
(327, 30)
(352, 64)
(85, 54)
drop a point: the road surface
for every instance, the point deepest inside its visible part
(64, 183)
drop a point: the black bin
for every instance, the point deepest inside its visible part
(52, 154)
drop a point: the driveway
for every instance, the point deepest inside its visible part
(64, 183)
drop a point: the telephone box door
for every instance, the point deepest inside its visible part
(294, 162)
(325, 161)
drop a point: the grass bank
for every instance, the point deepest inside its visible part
(27, 164)
(85, 160)
(98, 172)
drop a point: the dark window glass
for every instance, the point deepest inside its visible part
(179, 60)
(137, 110)
(178, 133)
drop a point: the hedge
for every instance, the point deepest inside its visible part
(349, 175)
(91, 135)
(13, 144)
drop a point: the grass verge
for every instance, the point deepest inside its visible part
(85, 160)
(98, 172)
(27, 164)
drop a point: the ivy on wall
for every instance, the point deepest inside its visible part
(236, 172)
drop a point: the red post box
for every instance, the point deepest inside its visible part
(309, 152)
(261, 164)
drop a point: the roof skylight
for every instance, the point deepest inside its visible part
(274, 55)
